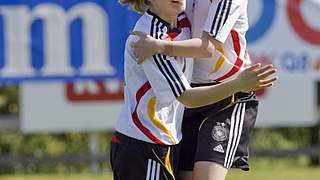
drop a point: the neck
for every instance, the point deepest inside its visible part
(171, 19)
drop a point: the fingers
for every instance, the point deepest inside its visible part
(139, 53)
(253, 67)
(136, 53)
(265, 86)
(264, 68)
(133, 45)
(139, 46)
(267, 73)
(140, 60)
(138, 33)
(268, 81)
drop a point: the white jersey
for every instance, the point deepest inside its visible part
(151, 112)
(227, 22)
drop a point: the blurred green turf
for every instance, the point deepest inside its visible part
(106, 176)
(276, 174)
(257, 174)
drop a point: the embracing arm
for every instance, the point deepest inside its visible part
(201, 96)
(253, 78)
(197, 47)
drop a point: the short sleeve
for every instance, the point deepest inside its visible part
(189, 9)
(222, 17)
(166, 77)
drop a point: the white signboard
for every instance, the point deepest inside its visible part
(59, 107)
(290, 103)
(283, 32)
(287, 34)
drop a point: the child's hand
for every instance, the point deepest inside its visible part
(145, 47)
(256, 77)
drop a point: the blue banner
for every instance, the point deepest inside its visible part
(62, 39)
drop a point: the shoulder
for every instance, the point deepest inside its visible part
(143, 24)
(238, 2)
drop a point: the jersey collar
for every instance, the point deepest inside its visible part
(165, 23)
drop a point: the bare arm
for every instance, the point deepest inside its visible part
(197, 47)
(253, 78)
(201, 96)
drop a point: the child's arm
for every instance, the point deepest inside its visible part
(197, 47)
(215, 33)
(169, 83)
(253, 78)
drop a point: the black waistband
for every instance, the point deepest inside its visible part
(237, 95)
(126, 139)
(204, 84)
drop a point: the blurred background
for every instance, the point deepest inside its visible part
(61, 72)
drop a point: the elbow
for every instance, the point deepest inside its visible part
(187, 102)
(189, 105)
(208, 48)
(208, 51)
(210, 44)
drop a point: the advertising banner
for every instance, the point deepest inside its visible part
(42, 40)
(82, 39)
(287, 34)
(67, 57)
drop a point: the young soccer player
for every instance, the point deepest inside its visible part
(215, 137)
(148, 130)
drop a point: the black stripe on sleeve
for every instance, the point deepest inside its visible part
(176, 74)
(165, 74)
(223, 11)
(161, 35)
(157, 30)
(215, 17)
(164, 65)
(170, 70)
(163, 62)
(152, 27)
(228, 12)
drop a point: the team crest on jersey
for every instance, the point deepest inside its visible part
(219, 132)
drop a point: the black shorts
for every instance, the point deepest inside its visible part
(219, 133)
(139, 160)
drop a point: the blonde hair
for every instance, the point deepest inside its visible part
(137, 5)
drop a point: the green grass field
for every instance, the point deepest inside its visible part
(277, 174)
(258, 174)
